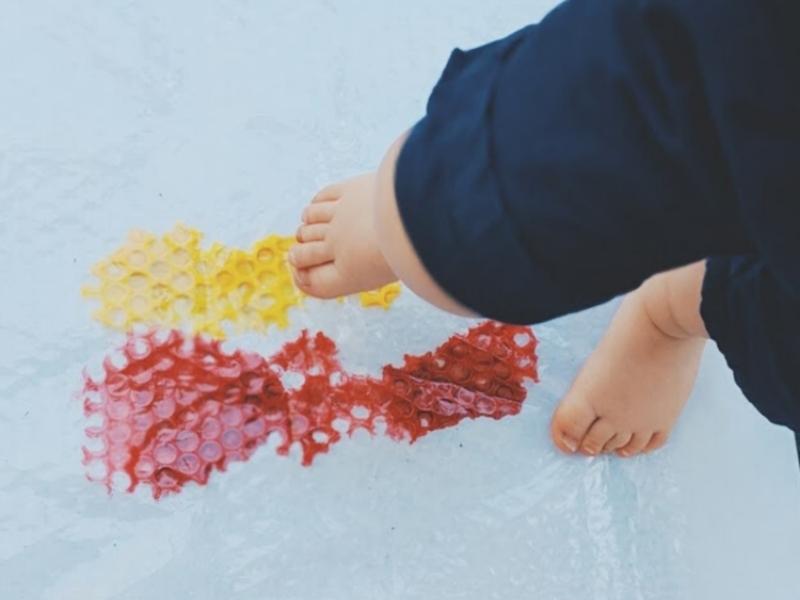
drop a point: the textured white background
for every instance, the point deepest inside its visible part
(228, 116)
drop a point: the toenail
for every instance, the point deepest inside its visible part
(571, 444)
(301, 277)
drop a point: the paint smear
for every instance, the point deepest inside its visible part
(172, 409)
(380, 298)
(170, 281)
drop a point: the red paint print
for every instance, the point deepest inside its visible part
(178, 408)
(478, 374)
(175, 409)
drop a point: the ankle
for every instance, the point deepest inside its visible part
(671, 300)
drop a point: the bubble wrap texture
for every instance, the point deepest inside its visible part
(170, 280)
(172, 409)
(229, 116)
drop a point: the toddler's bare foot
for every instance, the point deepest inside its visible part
(338, 252)
(629, 393)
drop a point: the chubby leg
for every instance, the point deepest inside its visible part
(632, 388)
(629, 393)
(352, 240)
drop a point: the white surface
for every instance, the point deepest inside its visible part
(228, 116)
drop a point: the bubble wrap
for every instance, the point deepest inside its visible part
(172, 281)
(229, 116)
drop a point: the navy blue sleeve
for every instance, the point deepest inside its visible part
(751, 302)
(756, 324)
(565, 164)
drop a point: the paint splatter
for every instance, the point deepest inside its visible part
(170, 281)
(174, 409)
(382, 297)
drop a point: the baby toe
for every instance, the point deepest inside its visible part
(619, 440)
(312, 233)
(323, 282)
(310, 254)
(657, 441)
(321, 212)
(598, 435)
(571, 421)
(636, 445)
(328, 193)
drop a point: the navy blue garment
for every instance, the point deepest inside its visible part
(563, 165)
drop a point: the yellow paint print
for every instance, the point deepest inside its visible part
(382, 297)
(171, 281)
